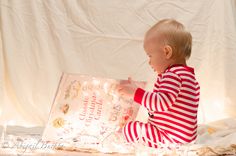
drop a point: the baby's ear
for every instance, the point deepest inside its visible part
(168, 51)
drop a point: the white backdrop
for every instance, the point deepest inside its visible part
(40, 39)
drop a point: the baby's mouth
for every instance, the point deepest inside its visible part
(154, 69)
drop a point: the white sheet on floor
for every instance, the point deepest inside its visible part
(40, 39)
(216, 135)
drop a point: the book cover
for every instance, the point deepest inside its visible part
(87, 109)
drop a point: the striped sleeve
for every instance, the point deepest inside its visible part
(163, 99)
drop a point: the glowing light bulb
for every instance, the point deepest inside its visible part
(85, 93)
(96, 82)
(11, 122)
(105, 87)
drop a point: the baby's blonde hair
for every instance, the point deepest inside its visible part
(174, 34)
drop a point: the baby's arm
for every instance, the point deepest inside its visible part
(164, 97)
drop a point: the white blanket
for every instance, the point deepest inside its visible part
(214, 138)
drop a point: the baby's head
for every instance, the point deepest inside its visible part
(167, 43)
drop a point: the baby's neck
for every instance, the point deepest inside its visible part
(182, 62)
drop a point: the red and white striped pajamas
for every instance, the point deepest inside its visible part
(172, 108)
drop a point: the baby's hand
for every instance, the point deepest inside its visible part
(127, 89)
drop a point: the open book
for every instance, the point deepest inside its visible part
(86, 110)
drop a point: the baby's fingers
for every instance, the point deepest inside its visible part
(130, 80)
(118, 87)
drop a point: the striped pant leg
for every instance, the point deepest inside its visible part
(148, 133)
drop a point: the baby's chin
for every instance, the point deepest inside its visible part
(155, 71)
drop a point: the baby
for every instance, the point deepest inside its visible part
(173, 104)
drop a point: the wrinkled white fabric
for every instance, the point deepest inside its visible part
(40, 39)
